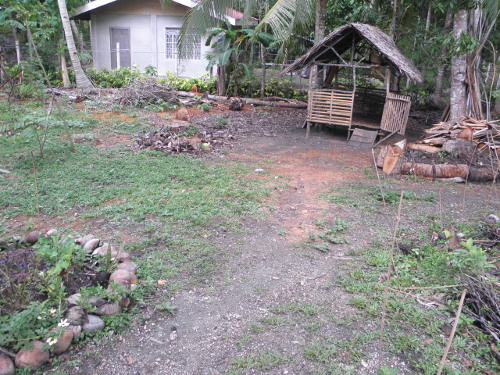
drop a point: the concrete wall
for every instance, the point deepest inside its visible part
(147, 24)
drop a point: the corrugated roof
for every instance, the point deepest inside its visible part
(341, 39)
(83, 12)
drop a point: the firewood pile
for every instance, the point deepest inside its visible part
(179, 137)
(144, 91)
(486, 134)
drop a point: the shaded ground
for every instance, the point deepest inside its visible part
(274, 301)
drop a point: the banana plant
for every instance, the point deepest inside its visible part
(229, 52)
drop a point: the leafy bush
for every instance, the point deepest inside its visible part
(274, 87)
(30, 324)
(203, 84)
(58, 253)
(112, 78)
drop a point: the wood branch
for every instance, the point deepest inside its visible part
(479, 131)
(7, 352)
(251, 101)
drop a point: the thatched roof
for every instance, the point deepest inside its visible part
(342, 38)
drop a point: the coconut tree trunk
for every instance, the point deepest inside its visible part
(458, 99)
(82, 81)
(319, 34)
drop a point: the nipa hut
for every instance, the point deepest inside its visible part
(351, 59)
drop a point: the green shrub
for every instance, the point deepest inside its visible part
(203, 84)
(274, 87)
(112, 78)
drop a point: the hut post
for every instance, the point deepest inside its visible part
(309, 96)
(353, 78)
(388, 81)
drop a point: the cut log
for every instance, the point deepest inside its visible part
(448, 171)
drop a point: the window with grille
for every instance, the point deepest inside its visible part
(193, 45)
(172, 36)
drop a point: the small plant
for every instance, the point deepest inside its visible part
(167, 307)
(387, 371)
(473, 257)
(359, 302)
(220, 122)
(151, 71)
(441, 156)
(59, 252)
(205, 106)
(190, 131)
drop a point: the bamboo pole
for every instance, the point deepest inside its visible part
(452, 334)
(388, 279)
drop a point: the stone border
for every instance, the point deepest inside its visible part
(76, 320)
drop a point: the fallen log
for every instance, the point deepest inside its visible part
(449, 171)
(251, 101)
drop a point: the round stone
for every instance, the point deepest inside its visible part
(74, 298)
(76, 315)
(34, 356)
(123, 277)
(6, 365)
(127, 266)
(32, 237)
(83, 241)
(94, 324)
(123, 256)
(77, 330)
(91, 245)
(97, 301)
(109, 309)
(63, 341)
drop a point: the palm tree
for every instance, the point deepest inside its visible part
(82, 81)
(286, 19)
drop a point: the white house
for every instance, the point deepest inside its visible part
(141, 32)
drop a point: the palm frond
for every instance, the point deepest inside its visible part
(208, 14)
(288, 16)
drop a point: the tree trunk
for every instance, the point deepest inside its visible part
(78, 36)
(438, 90)
(82, 81)
(18, 47)
(392, 31)
(423, 69)
(458, 102)
(221, 80)
(2, 68)
(319, 34)
(64, 68)
(263, 51)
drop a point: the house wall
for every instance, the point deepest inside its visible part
(147, 23)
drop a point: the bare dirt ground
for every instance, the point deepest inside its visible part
(228, 324)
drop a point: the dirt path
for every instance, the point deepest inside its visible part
(219, 325)
(272, 298)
